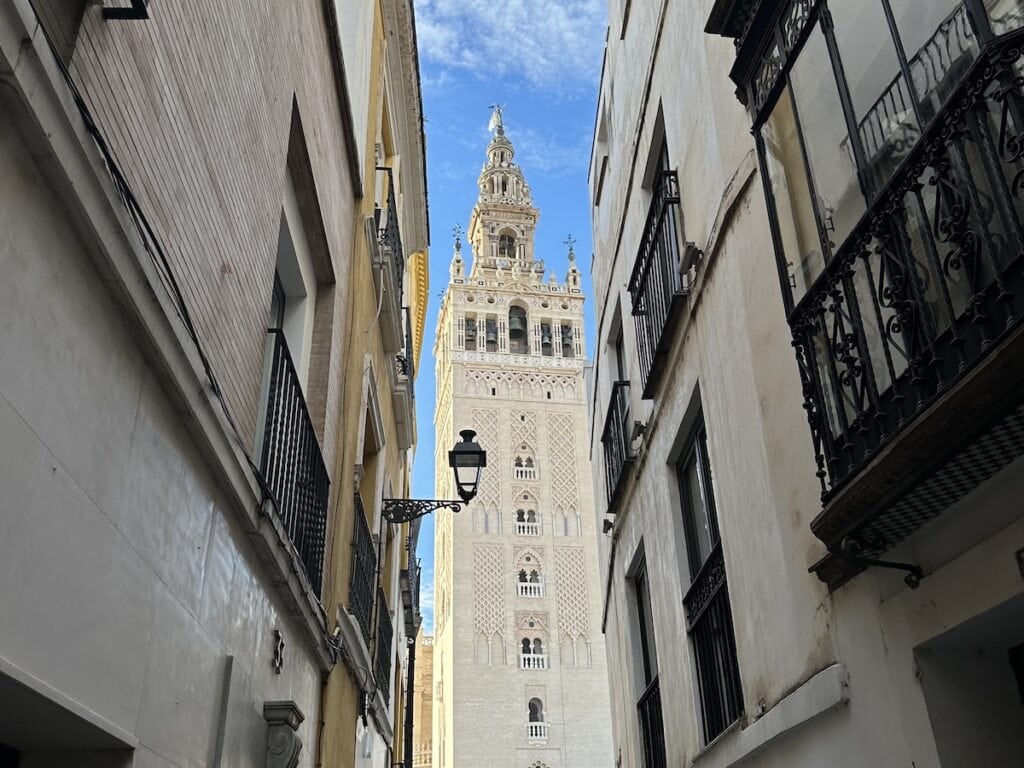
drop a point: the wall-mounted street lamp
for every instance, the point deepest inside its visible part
(466, 459)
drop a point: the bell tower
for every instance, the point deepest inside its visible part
(503, 222)
(518, 650)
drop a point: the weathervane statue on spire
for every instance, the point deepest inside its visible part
(496, 125)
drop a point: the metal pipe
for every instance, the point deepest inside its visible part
(409, 699)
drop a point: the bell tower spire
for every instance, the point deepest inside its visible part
(504, 220)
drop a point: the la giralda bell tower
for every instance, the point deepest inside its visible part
(519, 658)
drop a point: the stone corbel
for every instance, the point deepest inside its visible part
(283, 743)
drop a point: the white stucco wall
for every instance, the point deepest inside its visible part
(733, 356)
(127, 582)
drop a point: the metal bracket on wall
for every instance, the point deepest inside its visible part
(139, 9)
(851, 548)
(278, 651)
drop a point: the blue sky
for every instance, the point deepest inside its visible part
(541, 59)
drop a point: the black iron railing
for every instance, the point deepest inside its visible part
(389, 233)
(615, 439)
(652, 731)
(363, 577)
(929, 281)
(709, 623)
(410, 580)
(385, 634)
(291, 464)
(656, 286)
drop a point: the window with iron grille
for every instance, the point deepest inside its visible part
(363, 576)
(708, 613)
(649, 714)
(656, 285)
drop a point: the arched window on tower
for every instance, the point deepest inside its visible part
(530, 583)
(507, 242)
(518, 335)
(524, 465)
(536, 728)
(527, 522)
(536, 707)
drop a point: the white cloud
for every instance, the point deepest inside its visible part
(548, 154)
(551, 43)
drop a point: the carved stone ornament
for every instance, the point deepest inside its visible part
(283, 743)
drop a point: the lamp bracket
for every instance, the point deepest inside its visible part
(851, 548)
(403, 510)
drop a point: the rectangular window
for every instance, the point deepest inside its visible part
(708, 612)
(652, 731)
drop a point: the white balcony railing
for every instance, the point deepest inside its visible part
(531, 589)
(527, 529)
(524, 473)
(533, 661)
(537, 731)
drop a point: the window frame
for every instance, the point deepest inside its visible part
(696, 450)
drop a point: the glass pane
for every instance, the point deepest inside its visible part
(1005, 14)
(940, 46)
(786, 172)
(839, 200)
(648, 648)
(697, 509)
(882, 104)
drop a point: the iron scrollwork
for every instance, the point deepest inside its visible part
(404, 510)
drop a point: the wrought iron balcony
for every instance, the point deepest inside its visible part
(389, 232)
(409, 579)
(652, 730)
(363, 577)
(618, 457)
(389, 265)
(291, 464)
(709, 623)
(385, 634)
(656, 285)
(910, 344)
(403, 392)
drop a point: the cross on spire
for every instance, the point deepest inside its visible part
(571, 242)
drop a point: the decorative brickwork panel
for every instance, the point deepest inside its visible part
(485, 422)
(571, 578)
(564, 477)
(488, 589)
(522, 384)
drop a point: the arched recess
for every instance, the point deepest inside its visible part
(518, 330)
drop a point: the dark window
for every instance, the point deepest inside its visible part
(652, 731)
(619, 346)
(699, 519)
(708, 612)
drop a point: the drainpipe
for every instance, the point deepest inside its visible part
(409, 699)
